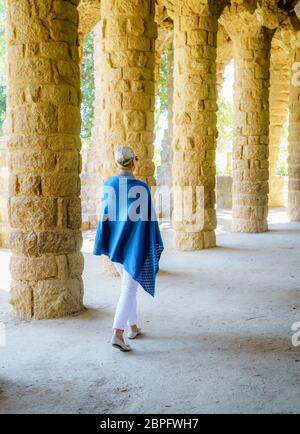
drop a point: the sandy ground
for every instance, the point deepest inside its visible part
(217, 336)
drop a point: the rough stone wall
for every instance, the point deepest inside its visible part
(43, 127)
(128, 95)
(294, 133)
(279, 96)
(194, 134)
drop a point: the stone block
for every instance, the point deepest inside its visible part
(60, 31)
(21, 299)
(56, 184)
(65, 11)
(55, 94)
(31, 70)
(60, 241)
(67, 72)
(24, 242)
(67, 161)
(197, 37)
(75, 264)
(35, 162)
(32, 269)
(134, 120)
(139, 43)
(69, 119)
(135, 26)
(29, 185)
(74, 213)
(54, 50)
(135, 101)
(32, 212)
(55, 298)
(35, 119)
(116, 43)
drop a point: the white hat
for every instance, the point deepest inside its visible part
(124, 156)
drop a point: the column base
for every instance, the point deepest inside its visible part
(294, 214)
(294, 206)
(249, 226)
(189, 241)
(47, 299)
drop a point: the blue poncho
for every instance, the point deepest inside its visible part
(135, 244)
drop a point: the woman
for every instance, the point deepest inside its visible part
(128, 233)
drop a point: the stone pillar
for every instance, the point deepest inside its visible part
(279, 103)
(43, 127)
(127, 89)
(194, 120)
(127, 76)
(294, 134)
(251, 129)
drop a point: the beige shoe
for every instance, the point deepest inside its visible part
(133, 335)
(118, 343)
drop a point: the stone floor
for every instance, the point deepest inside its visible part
(217, 336)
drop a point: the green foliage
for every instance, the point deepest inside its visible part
(225, 125)
(2, 64)
(2, 106)
(161, 103)
(282, 163)
(88, 90)
(282, 169)
(225, 136)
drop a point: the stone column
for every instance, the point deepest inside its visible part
(127, 87)
(251, 28)
(194, 121)
(294, 134)
(128, 96)
(43, 127)
(251, 128)
(279, 103)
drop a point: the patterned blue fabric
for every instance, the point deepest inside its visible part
(135, 244)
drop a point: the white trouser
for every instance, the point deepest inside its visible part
(126, 307)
